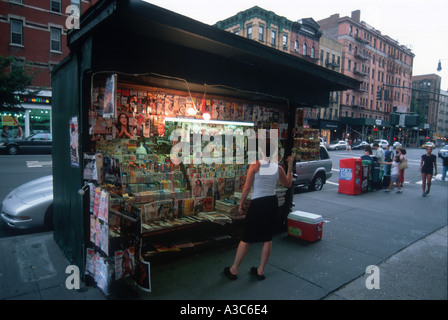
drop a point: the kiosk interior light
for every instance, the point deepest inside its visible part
(235, 123)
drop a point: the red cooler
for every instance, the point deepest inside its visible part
(350, 176)
(304, 225)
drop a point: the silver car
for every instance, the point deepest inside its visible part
(314, 173)
(337, 145)
(30, 205)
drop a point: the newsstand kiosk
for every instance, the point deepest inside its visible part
(350, 176)
(119, 202)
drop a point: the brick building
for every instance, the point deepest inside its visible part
(260, 25)
(35, 32)
(427, 93)
(384, 67)
(328, 118)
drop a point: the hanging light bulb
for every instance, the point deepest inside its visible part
(206, 116)
(191, 111)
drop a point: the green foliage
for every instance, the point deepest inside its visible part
(14, 79)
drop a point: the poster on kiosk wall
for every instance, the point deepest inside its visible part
(74, 150)
(110, 98)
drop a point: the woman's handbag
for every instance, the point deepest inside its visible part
(404, 164)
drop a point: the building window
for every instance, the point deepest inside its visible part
(16, 31)
(55, 6)
(76, 3)
(249, 32)
(296, 46)
(261, 33)
(55, 39)
(304, 49)
(312, 52)
(273, 37)
(285, 41)
(349, 65)
(322, 56)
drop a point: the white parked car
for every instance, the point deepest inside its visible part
(382, 143)
(338, 145)
(30, 205)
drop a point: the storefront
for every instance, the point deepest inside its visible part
(137, 74)
(329, 130)
(366, 129)
(33, 116)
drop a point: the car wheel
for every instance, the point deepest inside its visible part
(12, 150)
(48, 219)
(317, 183)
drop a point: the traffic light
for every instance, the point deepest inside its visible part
(394, 119)
(379, 94)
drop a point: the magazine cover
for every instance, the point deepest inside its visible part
(207, 204)
(188, 207)
(229, 111)
(248, 112)
(230, 186)
(165, 209)
(111, 169)
(109, 103)
(144, 275)
(160, 104)
(220, 185)
(169, 106)
(150, 213)
(198, 187)
(124, 263)
(90, 170)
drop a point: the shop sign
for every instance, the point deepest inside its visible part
(36, 100)
(9, 121)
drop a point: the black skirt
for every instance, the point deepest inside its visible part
(260, 220)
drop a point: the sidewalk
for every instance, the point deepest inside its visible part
(408, 244)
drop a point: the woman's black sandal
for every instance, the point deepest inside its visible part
(254, 271)
(229, 274)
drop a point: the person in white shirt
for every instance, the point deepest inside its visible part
(260, 218)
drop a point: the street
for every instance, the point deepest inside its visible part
(15, 171)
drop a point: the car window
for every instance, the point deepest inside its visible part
(39, 137)
(323, 154)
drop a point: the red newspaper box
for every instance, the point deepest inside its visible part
(305, 226)
(350, 176)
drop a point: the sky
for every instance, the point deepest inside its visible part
(421, 25)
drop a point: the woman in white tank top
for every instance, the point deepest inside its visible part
(260, 217)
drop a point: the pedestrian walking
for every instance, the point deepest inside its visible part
(260, 218)
(348, 147)
(428, 166)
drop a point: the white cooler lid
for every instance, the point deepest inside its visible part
(305, 217)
